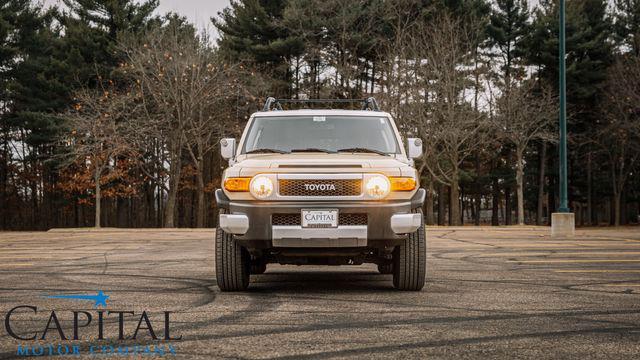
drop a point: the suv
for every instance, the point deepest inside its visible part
(320, 187)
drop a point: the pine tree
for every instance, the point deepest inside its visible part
(17, 20)
(252, 30)
(51, 54)
(56, 60)
(627, 24)
(587, 43)
(92, 29)
(28, 39)
(588, 55)
(507, 29)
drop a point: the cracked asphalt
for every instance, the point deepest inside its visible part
(491, 293)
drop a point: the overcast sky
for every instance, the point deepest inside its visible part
(197, 11)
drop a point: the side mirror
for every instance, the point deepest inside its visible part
(415, 147)
(228, 148)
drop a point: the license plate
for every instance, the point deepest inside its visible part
(320, 218)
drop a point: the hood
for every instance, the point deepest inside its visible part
(319, 160)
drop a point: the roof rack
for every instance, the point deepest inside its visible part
(369, 103)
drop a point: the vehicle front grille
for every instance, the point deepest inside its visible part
(316, 187)
(295, 219)
(352, 219)
(286, 219)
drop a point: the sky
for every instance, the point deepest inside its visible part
(199, 12)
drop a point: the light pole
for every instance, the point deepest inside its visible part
(563, 221)
(564, 201)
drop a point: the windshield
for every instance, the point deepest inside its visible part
(321, 133)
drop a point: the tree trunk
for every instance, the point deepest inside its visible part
(159, 202)
(373, 83)
(122, 218)
(623, 208)
(34, 198)
(441, 204)
(175, 169)
(96, 178)
(477, 197)
(507, 204)
(541, 175)
(4, 179)
(495, 216)
(463, 204)
(520, 186)
(616, 208)
(611, 215)
(200, 215)
(169, 210)
(551, 196)
(454, 202)
(429, 204)
(477, 209)
(589, 215)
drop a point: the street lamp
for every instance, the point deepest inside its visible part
(564, 202)
(563, 222)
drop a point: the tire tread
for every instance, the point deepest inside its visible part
(232, 262)
(409, 268)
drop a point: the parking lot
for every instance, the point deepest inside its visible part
(491, 292)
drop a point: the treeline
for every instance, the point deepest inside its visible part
(111, 115)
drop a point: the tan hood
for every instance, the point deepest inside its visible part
(295, 160)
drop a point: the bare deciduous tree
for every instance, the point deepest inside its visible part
(181, 82)
(214, 83)
(453, 130)
(99, 134)
(524, 114)
(428, 71)
(619, 136)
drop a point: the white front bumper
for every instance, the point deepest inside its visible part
(341, 236)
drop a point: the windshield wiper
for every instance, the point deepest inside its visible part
(272, 151)
(312, 150)
(363, 150)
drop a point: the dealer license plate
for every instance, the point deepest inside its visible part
(325, 218)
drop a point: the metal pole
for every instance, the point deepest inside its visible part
(564, 201)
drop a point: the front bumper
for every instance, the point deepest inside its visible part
(387, 222)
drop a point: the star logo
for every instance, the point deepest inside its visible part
(100, 299)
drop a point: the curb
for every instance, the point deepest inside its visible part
(108, 230)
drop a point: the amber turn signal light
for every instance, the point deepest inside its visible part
(237, 184)
(402, 183)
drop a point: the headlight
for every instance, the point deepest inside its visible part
(261, 187)
(377, 187)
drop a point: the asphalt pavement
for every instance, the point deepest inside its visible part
(491, 293)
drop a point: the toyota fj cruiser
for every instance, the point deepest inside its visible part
(320, 187)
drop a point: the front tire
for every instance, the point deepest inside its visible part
(410, 260)
(233, 262)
